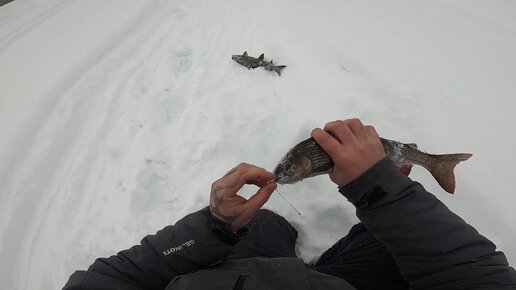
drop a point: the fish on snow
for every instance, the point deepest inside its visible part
(251, 62)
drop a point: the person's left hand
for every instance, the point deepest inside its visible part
(232, 209)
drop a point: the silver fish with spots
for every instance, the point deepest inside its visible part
(308, 159)
(251, 62)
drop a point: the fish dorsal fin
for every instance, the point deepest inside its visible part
(245, 53)
(261, 57)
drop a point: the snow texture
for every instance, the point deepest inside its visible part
(116, 116)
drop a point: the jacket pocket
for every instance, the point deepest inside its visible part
(210, 280)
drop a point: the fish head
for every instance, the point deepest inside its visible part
(237, 58)
(292, 168)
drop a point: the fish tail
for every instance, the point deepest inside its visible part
(442, 169)
(278, 68)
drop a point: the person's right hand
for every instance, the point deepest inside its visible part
(230, 208)
(353, 147)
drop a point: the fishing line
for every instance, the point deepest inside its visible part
(288, 202)
(273, 180)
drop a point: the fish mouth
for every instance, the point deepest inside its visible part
(283, 179)
(289, 173)
(283, 175)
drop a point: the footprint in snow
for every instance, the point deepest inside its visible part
(183, 61)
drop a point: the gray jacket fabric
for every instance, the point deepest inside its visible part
(433, 247)
(259, 273)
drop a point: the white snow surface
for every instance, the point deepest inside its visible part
(116, 116)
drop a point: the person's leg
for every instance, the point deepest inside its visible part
(270, 235)
(362, 260)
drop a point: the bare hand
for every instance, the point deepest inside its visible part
(353, 147)
(232, 209)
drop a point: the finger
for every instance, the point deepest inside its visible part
(228, 174)
(244, 166)
(241, 167)
(332, 124)
(258, 176)
(233, 170)
(246, 174)
(356, 127)
(371, 131)
(327, 142)
(262, 183)
(260, 198)
(340, 130)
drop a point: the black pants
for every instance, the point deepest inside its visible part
(358, 258)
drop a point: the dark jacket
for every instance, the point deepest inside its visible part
(433, 247)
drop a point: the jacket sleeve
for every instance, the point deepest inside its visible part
(433, 247)
(194, 242)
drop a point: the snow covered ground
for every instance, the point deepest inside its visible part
(116, 116)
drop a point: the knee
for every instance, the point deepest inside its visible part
(268, 215)
(266, 212)
(271, 219)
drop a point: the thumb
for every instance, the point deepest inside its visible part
(261, 197)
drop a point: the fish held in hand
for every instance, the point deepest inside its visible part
(252, 62)
(308, 159)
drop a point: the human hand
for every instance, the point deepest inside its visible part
(353, 147)
(232, 209)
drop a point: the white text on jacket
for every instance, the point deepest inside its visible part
(178, 247)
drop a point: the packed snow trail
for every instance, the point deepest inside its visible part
(117, 116)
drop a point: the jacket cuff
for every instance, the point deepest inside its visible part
(224, 233)
(380, 184)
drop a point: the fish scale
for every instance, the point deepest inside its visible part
(321, 162)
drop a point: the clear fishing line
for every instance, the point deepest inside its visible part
(287, 202)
